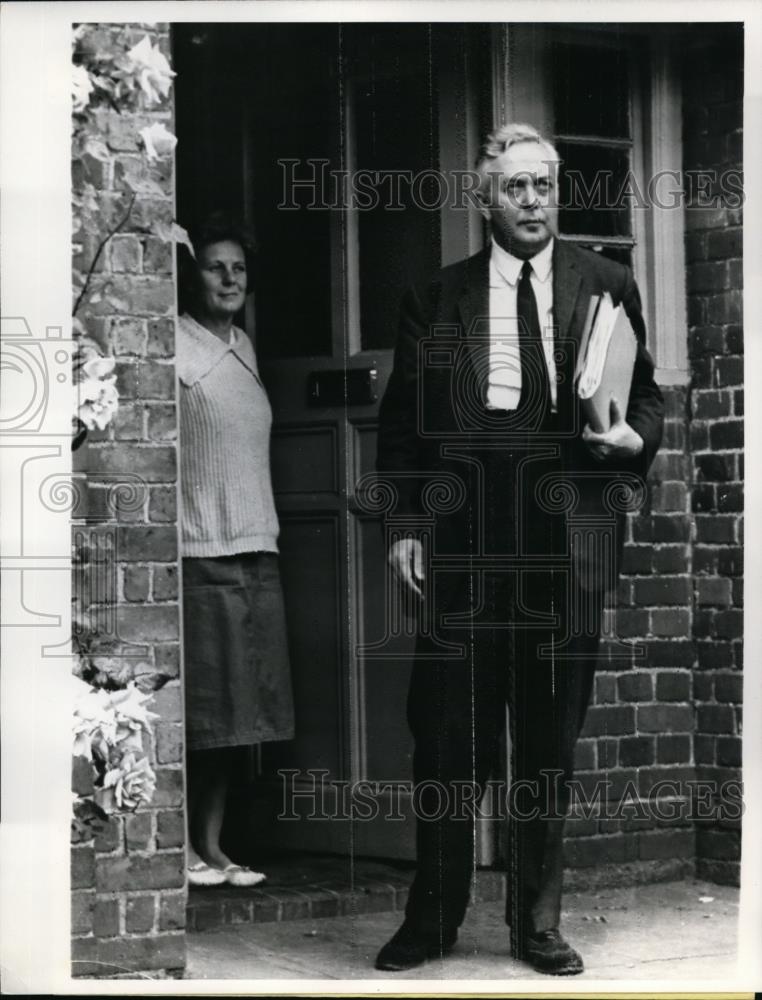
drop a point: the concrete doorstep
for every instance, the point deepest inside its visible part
(676, 930)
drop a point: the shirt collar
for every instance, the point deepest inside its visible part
(504, 267)
(202, 350)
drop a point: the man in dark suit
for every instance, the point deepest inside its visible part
(520, 509)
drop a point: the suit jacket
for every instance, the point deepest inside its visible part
(433, 413)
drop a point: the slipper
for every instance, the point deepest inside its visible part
(201, 873)
(242, 876)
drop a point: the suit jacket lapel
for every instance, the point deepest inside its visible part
(473, 305)
(566, 282)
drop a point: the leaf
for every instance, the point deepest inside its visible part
(98, 149)
(171, 232)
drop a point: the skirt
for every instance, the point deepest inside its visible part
(237, 674)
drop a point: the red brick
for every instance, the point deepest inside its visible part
(147, 622)
(138, 832)
(172, 909)
(667, 844)
(162, 504)
(136, 871)
(151, 463)
(167, 659)
(729, 624)
(715, 719)
(729, 751)
(167, 702)
(713, 590)
(157, 256)
(128, 422)
(170, 828)
(106, 918)
(699, 436)
(665, 718)
(136, 583)
(140, 544)
(161, 421)
(82, 904)
(161, 337)
(663, 590)
(669, 497)
(730, 561)
(169, 743)
(716, 528)
(584, 755)
(164, 583)
(582, 852)
(140, 914)
(670, 559)
(673, 686)
(716, 468)
(724, 243)
(729, 371)
(726, 434)
(662, 528)
(169, 787)
(729, 687)
(670, 653)
(635, 751)
(670, 621)
(710, 405)
(673, 749)
(709, 339)
(631, 622)
(635, 686)
(730, 497)
(720, 844)
(125, 253)
(637, 558)
(738, 402)
(704, 748)
(155, 951)
(109, 836)
(609, 719)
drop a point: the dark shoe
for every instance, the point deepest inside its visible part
(409, 948)
(547, 952)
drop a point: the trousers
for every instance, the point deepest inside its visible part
(519, 654)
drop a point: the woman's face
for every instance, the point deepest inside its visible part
(222, 279)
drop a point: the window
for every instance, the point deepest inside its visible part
(609, 97)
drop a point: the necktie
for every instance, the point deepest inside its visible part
(535, 387)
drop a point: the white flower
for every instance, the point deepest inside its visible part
(81, 88)
(99, 401)
(151, 70)
(97, 366)
(158, 140)
(127, 786)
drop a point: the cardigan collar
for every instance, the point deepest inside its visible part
(199, 350)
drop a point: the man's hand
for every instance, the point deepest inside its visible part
(619, 441)
(406, 559)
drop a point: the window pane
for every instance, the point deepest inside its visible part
(596, 190)
(394, 118)
(623, 255)
(590, 91)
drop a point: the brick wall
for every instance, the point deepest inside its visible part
(713, 96)
(128, 885)
(676, 714)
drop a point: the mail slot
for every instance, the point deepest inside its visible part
(340, 387)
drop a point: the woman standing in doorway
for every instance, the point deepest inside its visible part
(237, 678)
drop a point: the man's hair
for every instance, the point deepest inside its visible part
(501, 140)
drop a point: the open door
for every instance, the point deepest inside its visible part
(277, 122)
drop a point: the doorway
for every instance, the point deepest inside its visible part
(276, 122)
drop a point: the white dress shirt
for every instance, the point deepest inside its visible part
(504, 380)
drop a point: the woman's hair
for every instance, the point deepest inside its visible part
(218, 227)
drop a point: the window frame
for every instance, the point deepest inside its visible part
(522, 91)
